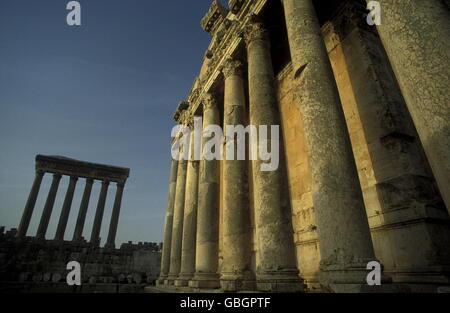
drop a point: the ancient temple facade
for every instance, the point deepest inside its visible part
(364, 171)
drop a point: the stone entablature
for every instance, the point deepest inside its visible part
(71, 167)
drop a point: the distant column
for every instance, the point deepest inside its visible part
(78, 234)
(177, 230)
(207, 246)
(190, 218)
(31, 203)
(110, 243)
(48, 208)
(64, 217)
(95, 235)
(165, 258)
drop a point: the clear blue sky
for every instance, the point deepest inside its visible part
(102, 92)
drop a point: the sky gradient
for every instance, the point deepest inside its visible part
(101, 92)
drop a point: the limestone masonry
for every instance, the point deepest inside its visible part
(365, 167)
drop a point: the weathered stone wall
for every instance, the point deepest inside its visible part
(34, 265)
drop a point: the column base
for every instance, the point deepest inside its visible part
(236, 282)
(344, 278)
(110, 246)
(183, 280)
(205, 281)
(280, 281)
(160, 281)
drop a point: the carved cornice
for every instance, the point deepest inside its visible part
(235, 5)
(232, 67)
(214, 17)
(182, 106)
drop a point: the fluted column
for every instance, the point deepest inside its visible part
(78, 234)
(207, 250)
(48, 208)
(190, 218)
(167, 244)
(110, 243)
(95, 235)
(64, 217)
(31, 203)
(344, 235)
(236, 271)
(276, 266)
(177, 229)
(416, 37)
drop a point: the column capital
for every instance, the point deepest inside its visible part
(232, 67)
(120, 184)
(57, 176)
(255, 30)
(40, 172)
(74, 178)
(106, 182)
(209, 102)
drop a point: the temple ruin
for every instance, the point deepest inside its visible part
(365, 151)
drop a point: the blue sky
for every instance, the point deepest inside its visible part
(102, 92)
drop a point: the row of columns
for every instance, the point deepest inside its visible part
(65, 212)
(344, 235)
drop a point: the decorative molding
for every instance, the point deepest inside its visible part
(235, 5)
(214, 17)
(232, 67)
(255, 31)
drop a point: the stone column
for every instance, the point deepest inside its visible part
(343, 230)
(95, 235)
(31, 203)
(416, 36)
(236, 273)
(177, 230)
(110, 243)
(190, 218)
(276, 266)
(48, 208)
(78, 234)
(167, 244)
(207, 250)
(64, 217)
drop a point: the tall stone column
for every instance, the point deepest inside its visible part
(167, 244)
(48, 208)
(110, 243)
(64, 217)
(276, 266)
(343, 230)
(236, 273)
(190, 218)
(78, 234)
(95, 235)
(416, 36)
(177, 230)
(207, 253)
(31, 203)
